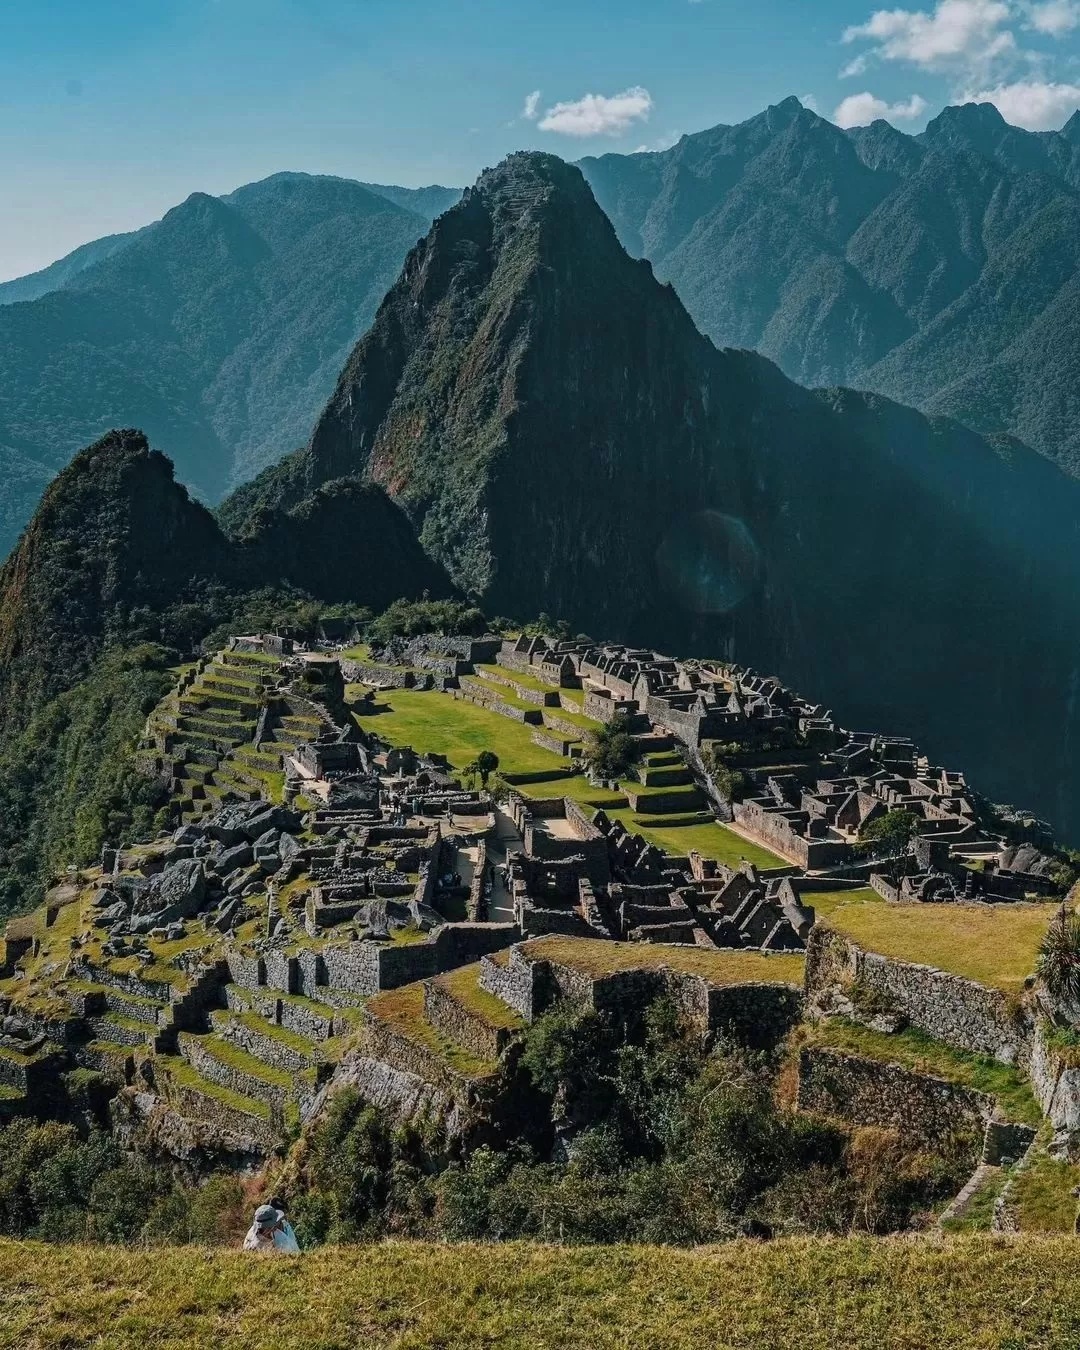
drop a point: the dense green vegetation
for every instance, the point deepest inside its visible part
(68, 783)
(63, 1187)
(667, 1143)
(610, 749)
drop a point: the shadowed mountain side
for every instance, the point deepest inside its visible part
(564, 439)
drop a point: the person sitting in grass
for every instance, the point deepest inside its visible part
(284, 1234)
(263, 1234)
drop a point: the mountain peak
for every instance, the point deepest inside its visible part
(1071, 130)
(973, 124)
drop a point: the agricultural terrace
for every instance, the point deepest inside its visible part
(914, 1050)
(994, 944)
(719, 966)
(711, 840)
(436, 723)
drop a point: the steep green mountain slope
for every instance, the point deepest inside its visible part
(565, 439)
(119, 572)
(118, 553)
(940, 270)
(220, 329)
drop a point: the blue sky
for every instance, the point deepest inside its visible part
(112, 111)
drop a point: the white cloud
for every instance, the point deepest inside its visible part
(531, 109)
(1055, 18)
(809, 101)
(858, 110)
(856, 66)
(1037, 105)
(958, 35)
(598, 115)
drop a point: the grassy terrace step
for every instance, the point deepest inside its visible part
(663, 759)
(996, 945)
(711, 840)
(663, 800)
(403, 1010)
(1041, 1195)
(721, 967)
(291, 1039)
(463, 985)
(957, 1293)
(504, 695)
(186, 1075)
(232, 1057)
(497, 673)
(913, 1049)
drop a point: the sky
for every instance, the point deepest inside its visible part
(112, 111)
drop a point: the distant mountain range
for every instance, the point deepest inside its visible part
(220, 330)
(940, 269)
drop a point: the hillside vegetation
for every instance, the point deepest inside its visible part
(964, 1293)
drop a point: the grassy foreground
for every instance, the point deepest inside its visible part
(795, 1294)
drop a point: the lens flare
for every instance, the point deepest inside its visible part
(709, 562)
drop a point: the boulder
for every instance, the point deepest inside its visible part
(176, 893)
(188, 834)
(114, 913)
(288, 848)
(227, 915)
(229, 860)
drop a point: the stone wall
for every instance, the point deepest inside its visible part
(281, 973)
(240, 1130)
(524, 986)
(467, 1028)
(486, 698)
(868, 1092)
(758, 1014)
(960, 1012)
(383, 1041)
(262, 1045)
(775, 832)
(555, 741)
(226, 1075)
(580, 819)
(475, 904)
(605, 709)
(246, 971)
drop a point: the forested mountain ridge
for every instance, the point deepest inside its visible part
(220, 330)
(564, 438)
(941, 269)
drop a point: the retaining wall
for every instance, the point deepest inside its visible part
(868, 1092)
(960, 1012)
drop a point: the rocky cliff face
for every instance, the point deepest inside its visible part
(564, 439)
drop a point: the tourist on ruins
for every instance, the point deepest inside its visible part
(262, 1235)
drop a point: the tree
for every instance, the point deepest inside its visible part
(892, 833)
(611, 750)
(487, 761)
